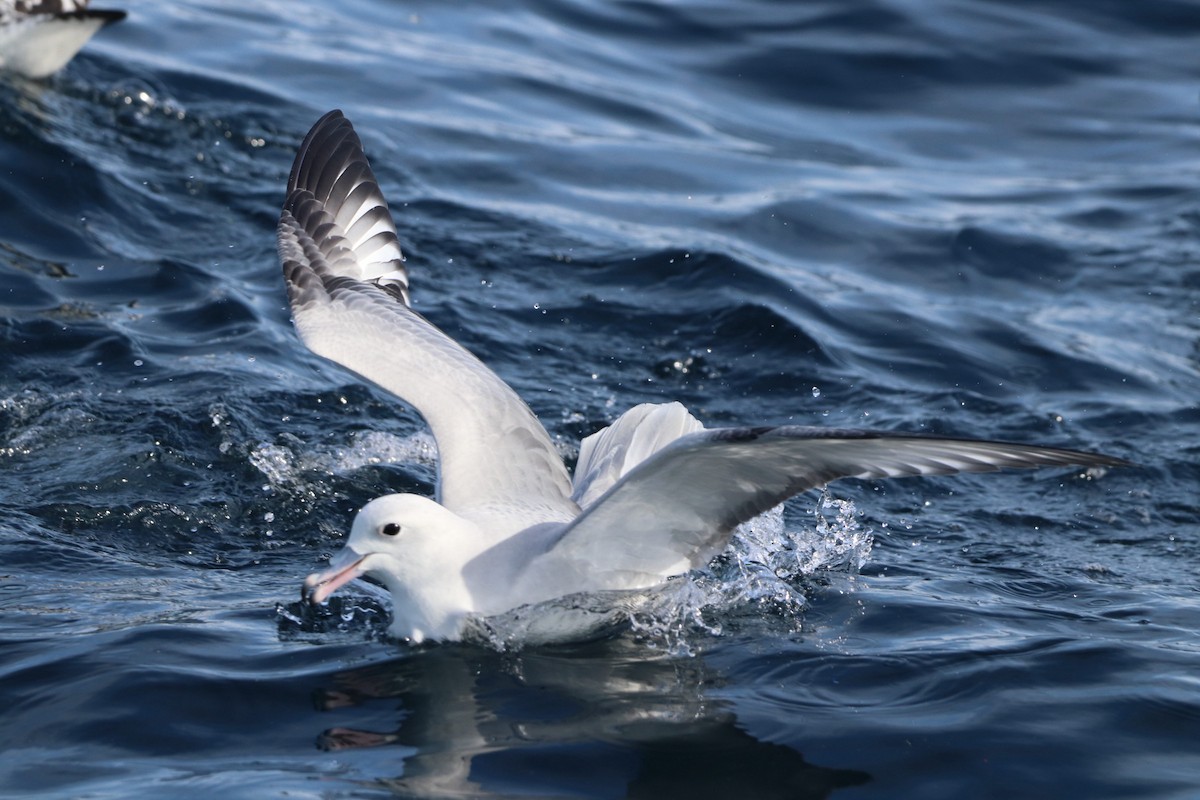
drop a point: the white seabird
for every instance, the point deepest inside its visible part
(38, 37)
(654, 495)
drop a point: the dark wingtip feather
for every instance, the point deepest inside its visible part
(335, 199)
(330, 125)
(1051, 456)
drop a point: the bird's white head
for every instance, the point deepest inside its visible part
(417, 549)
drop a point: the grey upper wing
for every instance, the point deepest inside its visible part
(348, 289)
(678, 508)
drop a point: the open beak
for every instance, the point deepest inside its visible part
(343, 568)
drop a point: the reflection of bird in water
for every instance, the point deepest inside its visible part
(654, 495)
(594, 721)
(38, 37)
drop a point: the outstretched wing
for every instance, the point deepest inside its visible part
(677, 509)
(348, 289)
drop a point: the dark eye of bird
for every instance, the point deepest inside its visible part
(391, 529)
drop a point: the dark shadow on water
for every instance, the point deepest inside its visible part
(607, 719)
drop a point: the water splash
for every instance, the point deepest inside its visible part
(342, 618)
(763, 576)
(288, 462)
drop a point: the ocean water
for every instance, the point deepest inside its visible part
(967, 217)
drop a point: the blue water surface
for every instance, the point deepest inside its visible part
(966, 217)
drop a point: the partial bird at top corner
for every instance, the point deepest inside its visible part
(39, 37)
